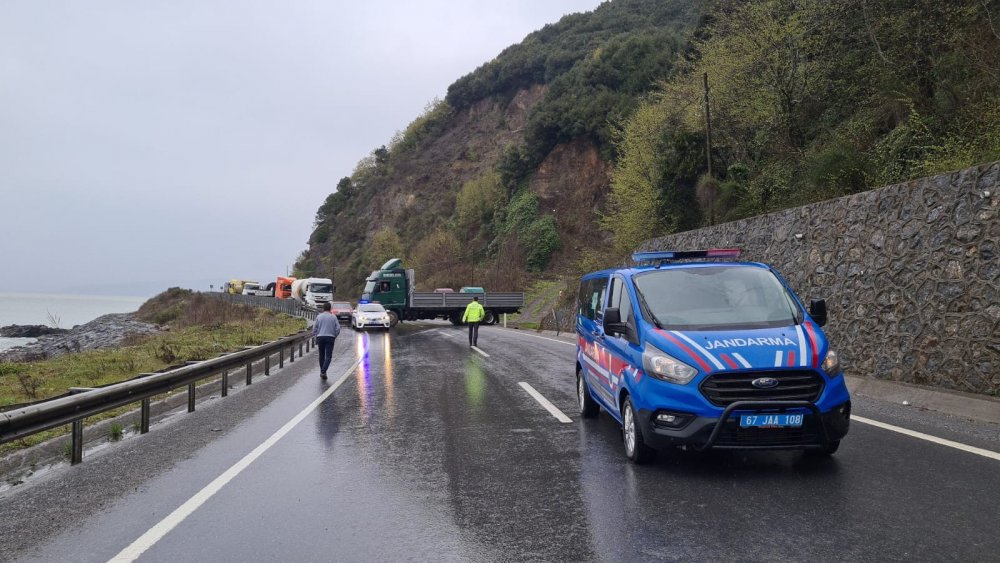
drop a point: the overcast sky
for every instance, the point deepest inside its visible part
(145, 144)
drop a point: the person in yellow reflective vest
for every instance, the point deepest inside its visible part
(473, 315)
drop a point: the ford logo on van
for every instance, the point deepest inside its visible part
(764, 383)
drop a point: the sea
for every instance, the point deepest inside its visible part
(60, 311)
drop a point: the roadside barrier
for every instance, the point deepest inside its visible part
(287, 306)
(33, 418)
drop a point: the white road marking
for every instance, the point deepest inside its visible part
(912, 433)
(156, 533)
(476, 348)
(928, 437)
(446, 333)
(545, 338)
(553, 410)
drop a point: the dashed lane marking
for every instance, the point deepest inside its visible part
(553, 410)
(156, 533)
(912, 433)
(928, 437)
(476, 348)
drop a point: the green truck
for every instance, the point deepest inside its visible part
(392, 287)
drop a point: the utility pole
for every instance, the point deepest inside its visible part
(708, 126)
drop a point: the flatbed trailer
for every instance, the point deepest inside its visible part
(451, 306)
(392, 287)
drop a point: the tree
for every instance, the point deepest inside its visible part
(385, 244)
(632, 204)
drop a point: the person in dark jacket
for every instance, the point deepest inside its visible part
(326, 328)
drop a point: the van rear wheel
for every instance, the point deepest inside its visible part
(635, 447)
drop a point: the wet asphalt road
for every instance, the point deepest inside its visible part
(430, 451)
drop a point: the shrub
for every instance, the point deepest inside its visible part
(540, 240)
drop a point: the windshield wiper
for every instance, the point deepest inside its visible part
(646, 310)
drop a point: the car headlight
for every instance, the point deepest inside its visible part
(831, 364)
(663, 366)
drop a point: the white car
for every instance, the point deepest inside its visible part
(369, 314)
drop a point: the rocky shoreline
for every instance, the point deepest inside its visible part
(103, 332)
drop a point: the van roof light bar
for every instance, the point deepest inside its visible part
(671, 255)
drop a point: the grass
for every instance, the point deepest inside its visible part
(32, 381)
(539, 300)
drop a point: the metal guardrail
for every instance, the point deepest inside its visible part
(287, 306)
(38, 417)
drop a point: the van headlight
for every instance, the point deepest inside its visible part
(663, 366)
(831, 364)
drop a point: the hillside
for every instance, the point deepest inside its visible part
(567, 149)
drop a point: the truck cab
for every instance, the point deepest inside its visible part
(389, 285)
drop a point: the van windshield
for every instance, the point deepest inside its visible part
(716, 298)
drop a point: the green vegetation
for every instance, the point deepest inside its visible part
(810, 99)
(201, 327)
(116, 432)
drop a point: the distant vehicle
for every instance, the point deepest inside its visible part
(707, 355)
(444, 290)
(313, 291)
(471, 289)
(253, 288)
(235, 286)
(369, 315)
(342, 310)
(392, 286)
(283, 287)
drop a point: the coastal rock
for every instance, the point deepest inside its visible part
(103, 332)
(29, 331)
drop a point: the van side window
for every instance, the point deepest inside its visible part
(621, 300)
(590, 301)
(597, 296)
(583, 300)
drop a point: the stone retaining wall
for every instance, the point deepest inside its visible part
(910, 272)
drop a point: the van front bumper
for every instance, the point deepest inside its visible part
(818, 429)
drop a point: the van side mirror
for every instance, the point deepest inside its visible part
(614, 326)
(817, 310)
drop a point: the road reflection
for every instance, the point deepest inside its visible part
(363, 372)
(475, 384)
(628, 507)
(390, 399)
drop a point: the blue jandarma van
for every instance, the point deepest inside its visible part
(707, 354)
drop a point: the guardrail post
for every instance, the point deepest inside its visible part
(191, 394)
(281, 357)
(307, 345)
(300, 348)
(76, 456)
(267, 364)
(225, 383)
(291, 352)
(144, 417)
(249, 373)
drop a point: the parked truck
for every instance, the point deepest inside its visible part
(283, 287)
(392, 286)
(235, 286)
(313, 291)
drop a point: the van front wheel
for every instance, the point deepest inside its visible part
(635, 447)
(588, 406)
